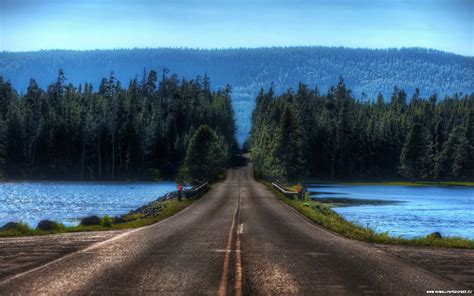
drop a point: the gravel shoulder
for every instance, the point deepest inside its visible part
(455, 264)
(20, 254)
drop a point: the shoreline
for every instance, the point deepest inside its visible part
(392, 183)
(322, 215)
(150, 213)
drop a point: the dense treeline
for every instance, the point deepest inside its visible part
(305, 133)
(366, 71)
(138, 132)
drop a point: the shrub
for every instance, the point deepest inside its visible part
(132, 217)
(107, 221)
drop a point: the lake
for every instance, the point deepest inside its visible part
(68, 202)
(418, 211)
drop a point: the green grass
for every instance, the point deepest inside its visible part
(323, 215)
(170, 207)
(407, 183)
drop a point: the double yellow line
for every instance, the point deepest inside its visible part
(238, 256)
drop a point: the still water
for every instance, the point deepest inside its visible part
(67, 202)
(418, 211)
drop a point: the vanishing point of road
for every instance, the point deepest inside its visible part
(238, 239)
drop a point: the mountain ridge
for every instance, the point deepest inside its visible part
(366, 71)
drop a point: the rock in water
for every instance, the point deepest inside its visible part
(434, 235)
(47, 225)
(91, 220)
(10, 225)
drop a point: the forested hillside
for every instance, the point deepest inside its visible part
(138, 131)
(366, 71)
(333, 135)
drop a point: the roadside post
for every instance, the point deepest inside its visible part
(180, 191)
(300, 192)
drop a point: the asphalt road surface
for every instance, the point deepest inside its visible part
(239, 239)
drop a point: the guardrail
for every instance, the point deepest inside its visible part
(189, 193)
(195, 190)
(286, 192)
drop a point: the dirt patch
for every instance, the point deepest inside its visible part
(20, 254)
(455, 264)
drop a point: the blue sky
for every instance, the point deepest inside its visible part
(53, 24)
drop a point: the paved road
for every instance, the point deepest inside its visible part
(238, 239)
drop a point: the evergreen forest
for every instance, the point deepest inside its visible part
(136, 132)
(161, 126)
(335, 136)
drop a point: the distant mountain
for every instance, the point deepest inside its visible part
(366, 71)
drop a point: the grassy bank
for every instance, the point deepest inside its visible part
(407, 183)
(167, 209)
(323, 215)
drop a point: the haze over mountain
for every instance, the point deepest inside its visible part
(366, 71)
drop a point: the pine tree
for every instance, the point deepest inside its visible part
(461, 159)
(15, 139)
(7, 95)
(416, 158)
(445, 158)
(3, 148)
(32, 111)
(205, 156)
(469, 136)
(290, 145)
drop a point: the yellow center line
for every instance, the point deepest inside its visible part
(225, 271)
(238, 259)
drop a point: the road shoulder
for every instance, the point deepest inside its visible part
(21, 254)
